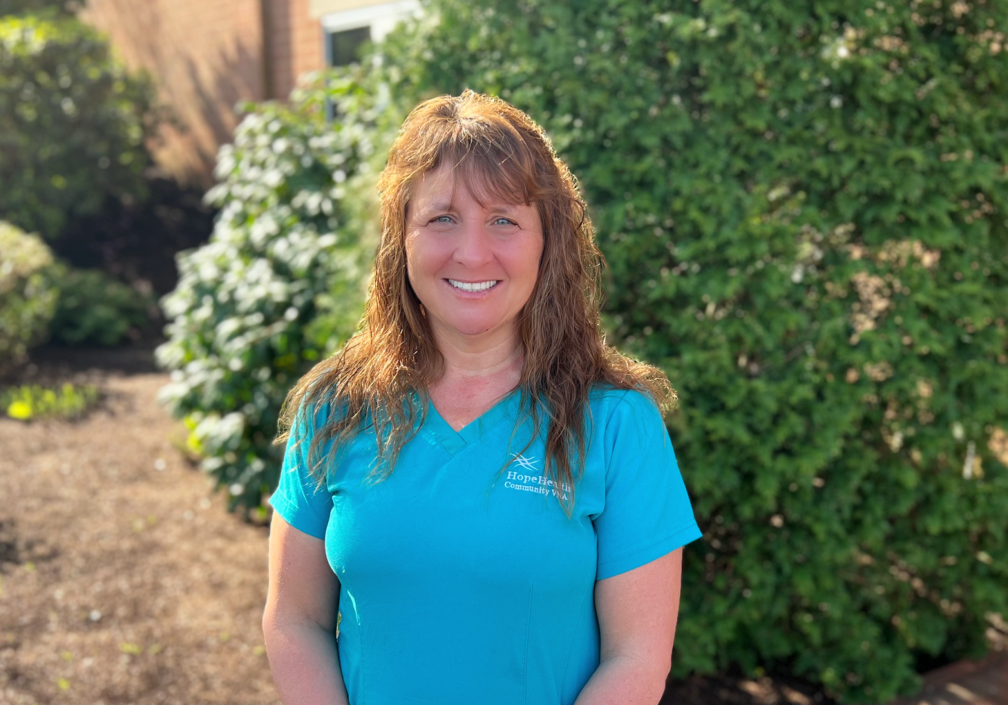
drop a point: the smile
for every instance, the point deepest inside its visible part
(472, 286)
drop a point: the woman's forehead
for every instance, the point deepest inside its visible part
(440, 187)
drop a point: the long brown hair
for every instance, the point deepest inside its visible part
(378, 381)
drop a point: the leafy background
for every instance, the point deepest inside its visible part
(803, 210)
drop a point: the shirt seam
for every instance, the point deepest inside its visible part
(440, 443)
(528, 632)
(360, 642)
(570, 650)
(290, 513)
(605, 431)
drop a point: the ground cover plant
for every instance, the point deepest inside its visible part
(28, 402)
(803, 209)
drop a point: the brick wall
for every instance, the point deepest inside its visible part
(206, 55)
(306, 40)
(295, 44)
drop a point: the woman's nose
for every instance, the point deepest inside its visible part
(473, 248)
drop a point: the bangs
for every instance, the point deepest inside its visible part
(492, 160)
(490, 175)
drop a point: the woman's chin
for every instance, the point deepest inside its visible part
(477, 329)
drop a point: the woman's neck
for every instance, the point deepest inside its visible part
(475, 378)
(472, 358)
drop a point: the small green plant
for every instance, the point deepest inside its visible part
(30, 402)
(27, 294)
(95, 309)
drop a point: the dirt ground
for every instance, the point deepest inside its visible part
(124, 580)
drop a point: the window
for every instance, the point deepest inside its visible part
(348, 30)
(344, 45)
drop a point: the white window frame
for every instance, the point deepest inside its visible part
(379, 19)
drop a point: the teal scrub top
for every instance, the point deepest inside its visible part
(460, 583)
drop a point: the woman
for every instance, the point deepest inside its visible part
(479, 501)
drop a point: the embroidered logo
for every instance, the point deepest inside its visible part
(518, 480)
(523, 462)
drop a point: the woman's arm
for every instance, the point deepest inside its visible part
(637, 613)
(300, 619)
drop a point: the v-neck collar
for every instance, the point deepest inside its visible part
(454, 441)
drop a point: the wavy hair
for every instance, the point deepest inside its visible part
(379, 380)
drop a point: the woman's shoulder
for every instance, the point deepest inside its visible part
(610, 404)
(603, 396)
(314, 411)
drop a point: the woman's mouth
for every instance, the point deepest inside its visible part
(473, 286)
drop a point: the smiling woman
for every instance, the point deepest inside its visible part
(476, 472)
(472, 264)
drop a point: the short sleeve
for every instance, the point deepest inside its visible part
(298, 498)
(647, 512)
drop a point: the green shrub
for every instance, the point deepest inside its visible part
(95, 309)
(280, 284)
(30, 402)
(72, 122)
(27, 295)
(20, 7)
(803, 209)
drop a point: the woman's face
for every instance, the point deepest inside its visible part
(473, 267)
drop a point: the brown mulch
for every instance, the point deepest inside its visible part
(123, 579)
(983, 682)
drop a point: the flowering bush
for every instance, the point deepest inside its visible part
(280, 284)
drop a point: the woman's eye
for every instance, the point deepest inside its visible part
(442, 219)
(504, 221)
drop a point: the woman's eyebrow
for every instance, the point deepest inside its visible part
(422, 210)
(509, 208)
(437, 206)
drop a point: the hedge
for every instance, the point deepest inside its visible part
(803, 209)
(95, 309)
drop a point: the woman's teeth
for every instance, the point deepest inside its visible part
(472, 286)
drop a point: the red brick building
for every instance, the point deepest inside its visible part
(207, 55)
